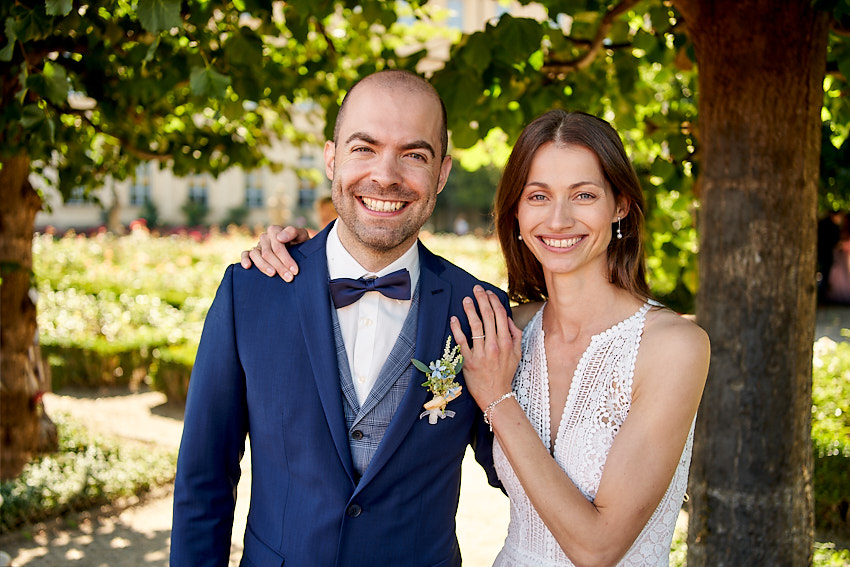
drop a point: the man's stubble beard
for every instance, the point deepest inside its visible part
(377, 238)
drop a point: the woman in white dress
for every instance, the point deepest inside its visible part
(593, 405)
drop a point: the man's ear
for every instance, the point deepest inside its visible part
(329, 153)
(445, 168)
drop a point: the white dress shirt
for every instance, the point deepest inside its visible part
(371, 325)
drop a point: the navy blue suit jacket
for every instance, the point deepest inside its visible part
(267, 367)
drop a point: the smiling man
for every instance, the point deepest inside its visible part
(318, 372)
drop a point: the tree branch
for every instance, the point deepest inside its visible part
(839, 28)
(125, 143)
(324, 32)
(596, 45)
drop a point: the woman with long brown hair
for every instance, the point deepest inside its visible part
(593, 404)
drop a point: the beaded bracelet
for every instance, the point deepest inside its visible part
(492, 406)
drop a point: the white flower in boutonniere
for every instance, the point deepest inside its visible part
(441, 382)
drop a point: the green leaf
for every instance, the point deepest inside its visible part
(205, 81)
(477, 52)
(58, 7)
(662, 168)
(6, 52)
(660, 18)
(34, 25)
(421, 366)
(32, 116)
(459, 366)
(678, 145)
(245, 48)
(518, 36)
(158, 15)
(56, 83)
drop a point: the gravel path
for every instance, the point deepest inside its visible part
(138, 533)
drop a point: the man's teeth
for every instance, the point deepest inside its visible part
(560, 242)
(382, 206)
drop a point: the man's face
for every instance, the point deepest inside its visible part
(386, 170)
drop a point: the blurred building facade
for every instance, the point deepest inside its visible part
(259, 197)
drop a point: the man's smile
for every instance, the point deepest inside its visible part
(381, 206)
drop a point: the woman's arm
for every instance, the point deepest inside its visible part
(669, 377)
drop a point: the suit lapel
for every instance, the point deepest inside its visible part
(434, 294)
(314, 309)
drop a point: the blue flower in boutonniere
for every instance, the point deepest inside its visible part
(441, 382)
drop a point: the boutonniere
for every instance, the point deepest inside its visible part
(441, 382)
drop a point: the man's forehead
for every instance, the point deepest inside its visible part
(382, 112)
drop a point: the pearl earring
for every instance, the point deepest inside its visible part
(619, 234)
(519, 237)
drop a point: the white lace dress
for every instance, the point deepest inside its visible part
(597, 404)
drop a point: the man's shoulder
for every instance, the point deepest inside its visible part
(457, 275)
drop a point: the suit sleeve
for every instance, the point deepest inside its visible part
(482, 439)
(215, 425)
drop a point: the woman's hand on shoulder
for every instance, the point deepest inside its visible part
(492, 352)
(271, 255)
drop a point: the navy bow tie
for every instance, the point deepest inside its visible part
(346, 291)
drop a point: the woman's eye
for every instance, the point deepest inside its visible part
(585, 196)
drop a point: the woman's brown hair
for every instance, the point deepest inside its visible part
(626, 262)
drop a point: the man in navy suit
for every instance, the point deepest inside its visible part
(345, 471)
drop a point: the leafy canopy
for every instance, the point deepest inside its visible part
(91, 88)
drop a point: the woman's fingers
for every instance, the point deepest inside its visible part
(457, 333)
(516, 338)
(487, 315)
(266, 261)
(246, 259)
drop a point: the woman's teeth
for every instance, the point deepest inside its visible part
(560, 242)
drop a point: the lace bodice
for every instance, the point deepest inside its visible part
(597, 404)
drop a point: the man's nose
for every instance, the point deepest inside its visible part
(386, 171)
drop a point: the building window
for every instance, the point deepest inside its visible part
(306, 161)
(306, 193)
(140, 188)
(76, 197)
(198, 190)
(254, 190)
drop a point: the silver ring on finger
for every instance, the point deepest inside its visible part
(478, 337)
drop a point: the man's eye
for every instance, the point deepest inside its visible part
(420, 157)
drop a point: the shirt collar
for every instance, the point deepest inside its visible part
(341, 264)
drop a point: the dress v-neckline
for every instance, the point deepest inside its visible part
(577, 375)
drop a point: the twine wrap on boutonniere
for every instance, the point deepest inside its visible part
(441, 382)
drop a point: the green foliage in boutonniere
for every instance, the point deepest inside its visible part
(441, 381)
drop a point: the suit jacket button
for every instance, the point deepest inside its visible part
(357, 435)
(353, 511)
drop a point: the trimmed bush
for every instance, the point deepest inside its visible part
(172, 370)
(831, 435)
(86, 471)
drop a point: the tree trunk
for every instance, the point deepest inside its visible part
(20, 418)
(761, 68)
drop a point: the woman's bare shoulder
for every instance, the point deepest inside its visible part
(669, 334)
(667, 325)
